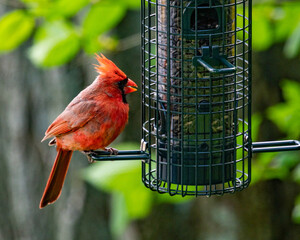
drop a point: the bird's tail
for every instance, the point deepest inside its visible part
(57, 177)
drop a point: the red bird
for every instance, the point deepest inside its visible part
(92, 120)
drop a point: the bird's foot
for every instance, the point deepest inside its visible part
(112, 151)
(88, 155)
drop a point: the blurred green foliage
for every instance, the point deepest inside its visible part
(284, 165)
(286, 115)
(277, 23)
(70, 25)
(15, 28)
(61, 28)
(51, 40)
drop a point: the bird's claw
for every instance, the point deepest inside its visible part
(88, 155)
(112, 151)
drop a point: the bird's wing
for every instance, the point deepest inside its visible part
(75, 116)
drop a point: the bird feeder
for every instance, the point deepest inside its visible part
(196, 98)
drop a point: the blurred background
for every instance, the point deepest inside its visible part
(46, 59)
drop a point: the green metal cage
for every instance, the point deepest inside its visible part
(196, 98)
(196, 93)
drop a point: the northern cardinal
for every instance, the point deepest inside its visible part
(92, 120)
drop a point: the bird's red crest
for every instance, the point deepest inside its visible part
(107, 68)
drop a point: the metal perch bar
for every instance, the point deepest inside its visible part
(275, 146)
(122, 155)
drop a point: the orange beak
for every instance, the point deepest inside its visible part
(130, 87)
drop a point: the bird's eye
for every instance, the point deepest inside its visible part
(122, 83)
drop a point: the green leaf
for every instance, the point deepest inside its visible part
(286, 115)
(286, 19)
(291, 91)
(102, 17)
(273, 23)
(92, 45)
(15, 28)
(55, 44)
(292, 45)
(55, 9)
(96, 44)
(263, 35)
(69, 7)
